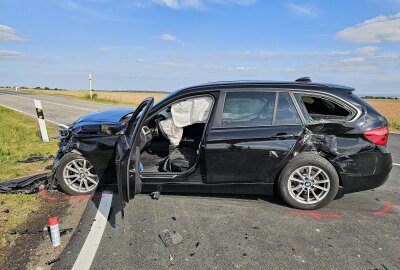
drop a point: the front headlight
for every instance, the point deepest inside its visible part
(110, 130)
(106, 129)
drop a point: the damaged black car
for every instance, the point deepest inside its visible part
(308, 142)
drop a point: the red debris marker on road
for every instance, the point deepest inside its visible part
(315, 215)
(387, 209)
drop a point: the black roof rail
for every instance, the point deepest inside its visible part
(304, 79)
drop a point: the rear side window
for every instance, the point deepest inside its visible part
(286, 113)
(248, 109)
(322, 109)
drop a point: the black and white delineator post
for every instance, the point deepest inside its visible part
(42, 123)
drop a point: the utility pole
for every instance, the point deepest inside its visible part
(90, 86)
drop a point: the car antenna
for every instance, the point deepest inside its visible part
(304, 79)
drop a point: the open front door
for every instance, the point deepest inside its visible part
(128, 153)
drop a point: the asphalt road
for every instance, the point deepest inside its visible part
(57, 109)
(359, 231)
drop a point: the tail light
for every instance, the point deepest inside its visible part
(378, 136)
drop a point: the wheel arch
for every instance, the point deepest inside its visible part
(334, 164)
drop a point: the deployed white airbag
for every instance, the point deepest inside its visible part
(185, 113)
(191, 111)
(173, 132)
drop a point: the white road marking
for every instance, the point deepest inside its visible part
(58, 104)
(92, 242)
(396, 164)
(47, 120)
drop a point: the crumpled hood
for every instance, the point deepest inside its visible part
(111, 116)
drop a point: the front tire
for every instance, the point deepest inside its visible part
(76, 176)
(308, 182)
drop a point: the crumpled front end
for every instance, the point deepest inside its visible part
(94, 137)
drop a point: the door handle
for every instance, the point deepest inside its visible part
(283, 136)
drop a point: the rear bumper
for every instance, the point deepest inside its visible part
(358, 182)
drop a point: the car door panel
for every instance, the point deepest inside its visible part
(247, 154)
(128, 152)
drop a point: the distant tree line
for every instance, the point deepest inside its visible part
(38, 87)
(379, 97)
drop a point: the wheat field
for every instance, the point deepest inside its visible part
(389, 108)
(128, 98)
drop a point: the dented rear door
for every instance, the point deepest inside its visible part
(128, 153)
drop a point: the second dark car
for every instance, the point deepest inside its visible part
(308, 142)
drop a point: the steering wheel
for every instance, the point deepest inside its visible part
(160, 118)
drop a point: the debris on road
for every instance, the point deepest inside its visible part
(44, 231)
(65, 231)
(26, 232)
(174, 218)
(33, 159)
(50, 262)
(170, 239)
(155, 195)
(27, 184)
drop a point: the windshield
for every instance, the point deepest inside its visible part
(163, 99)
(125, 118)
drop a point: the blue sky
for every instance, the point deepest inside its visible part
(170, 44)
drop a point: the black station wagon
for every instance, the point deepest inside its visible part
(307, 142)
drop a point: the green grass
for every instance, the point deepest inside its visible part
(394, 125)
(19, 139)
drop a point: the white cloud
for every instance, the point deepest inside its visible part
(169, 37)
(169, 64)
(88, 10)
(362, 50)
(8, 33)
(197, 4)
(180, 3)
(9, 54)
(304, 10)
(353, 60)
(277, 69)
(375, 30)
(245, 55)
(262, 55)
(359, 65)
(229, 68)
(367, 50)
(242, 68)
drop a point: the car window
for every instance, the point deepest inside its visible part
(248, 109)
(320, 109)
(286, 113)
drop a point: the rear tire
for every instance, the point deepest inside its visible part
(76, 176)
(308, 182)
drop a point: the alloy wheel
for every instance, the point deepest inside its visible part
(80, 176)
(309, 184)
